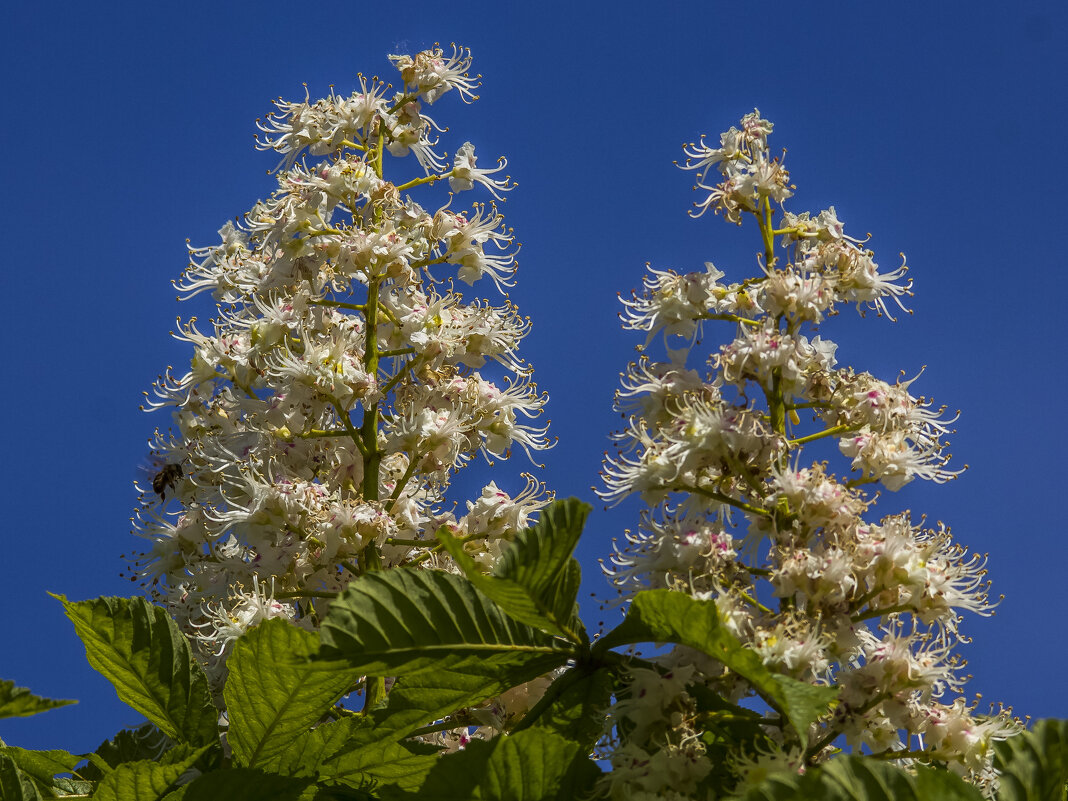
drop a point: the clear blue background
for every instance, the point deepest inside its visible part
(938, 127)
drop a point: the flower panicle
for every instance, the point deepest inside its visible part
(345, 375)
(715, 446)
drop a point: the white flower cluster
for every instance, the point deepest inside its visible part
(796, 570)
(344, 379)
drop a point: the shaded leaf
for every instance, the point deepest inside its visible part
(245, 784)
(857, 778)
(401, 621)
(18, 702)
(275, 693)
(727, 730)
(146, 780)
(455, 682)
(79, 787)
(532, 765)
(575, 705)
(14, 784)
(664, 616)
(138, 648)
(1034, 765)
(41, 766)
(129, 745)
(380, 763)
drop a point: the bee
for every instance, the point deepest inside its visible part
(166, 479)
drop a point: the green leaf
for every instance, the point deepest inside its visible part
(138, 648)
(354, 752)
(372, 757)
(531, 765)
(275, 693)
(18, 702)
(129, 745)
(574, 705)
(665, 616)
(41, 766)
(147, 780)
(75, 787)
(244, 784)
(859, 778)
(1034, 765)
(401, 621)
(14, 784)
(455, 682)
(308, 751)
(727, 731)
(536, 581)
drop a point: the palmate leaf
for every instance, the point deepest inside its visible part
(18, 702)
(14, 784)
(453, 683)
(129, 745)
(1034, 765)
(354, 753)
(402, 621)
(274, 692)
(146, 780)
(536, 580)
(244, 784)
(859, 778)
(138, 648)
(41, 766)
(575, 704)
(664, 616)
(531, 765)
(727, 730)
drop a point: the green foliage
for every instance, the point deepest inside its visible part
(537, 579)
(40, 768)
(373, 757)
(18, 702)
(274, 692)
(245, 784)
(1034, 765)
(663, 616)
(727, 731)
(129, 745)
(14, 784)
(450, 642)
(139, 649)
(574, 705)
(856, 778)
(146, 780)
(531, 765)
(403, 621)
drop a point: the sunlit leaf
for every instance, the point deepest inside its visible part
(401, 621)
(275, 693)
(663, 616)
(138, 648)
(536, 580)
(18, 702)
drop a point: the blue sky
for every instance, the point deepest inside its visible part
(934, 126)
